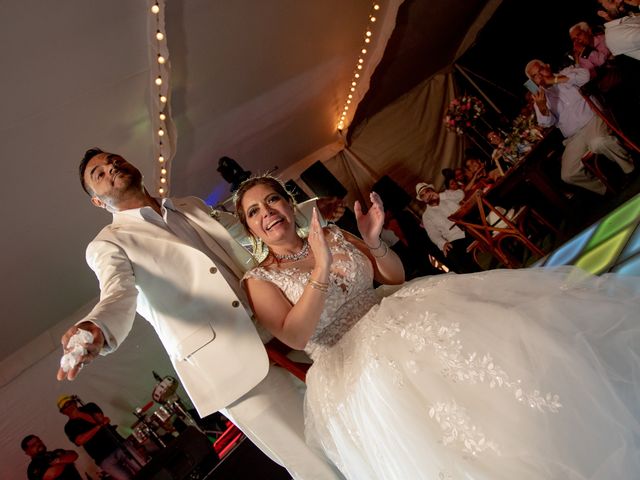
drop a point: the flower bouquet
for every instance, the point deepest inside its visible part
(463, 113)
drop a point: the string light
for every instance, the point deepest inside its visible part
(358, 67)
(161, 112)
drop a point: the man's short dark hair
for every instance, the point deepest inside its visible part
(88, 155)
(26, 440)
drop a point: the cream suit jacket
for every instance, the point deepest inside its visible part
(199, 318)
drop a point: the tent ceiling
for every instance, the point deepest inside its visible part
(260, 81)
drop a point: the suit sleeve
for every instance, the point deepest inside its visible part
(115, 312)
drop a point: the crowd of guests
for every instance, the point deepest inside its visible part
(575, 99)
(596, 92)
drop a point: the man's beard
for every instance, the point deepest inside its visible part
(126, 182)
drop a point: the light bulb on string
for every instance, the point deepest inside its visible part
(163, 180)
(162, 116)
(155, 9)
(163, 171)
(368, 34)
(359, 67)
(163, 99)
(161, 159)
(367, 40)
(159, 36)
(372, 19)
(160, 132)
(376, 7)
(158, 80)
(161, 59)
(364, 51)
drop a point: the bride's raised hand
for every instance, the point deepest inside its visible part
(370, 223)
(318, 243)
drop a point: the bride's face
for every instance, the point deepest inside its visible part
(268, 214)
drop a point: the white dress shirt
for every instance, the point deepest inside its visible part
(436, 219)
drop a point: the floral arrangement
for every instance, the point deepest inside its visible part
(463, 113)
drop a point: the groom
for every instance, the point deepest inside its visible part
(170, 261)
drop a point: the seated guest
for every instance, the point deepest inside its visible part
(559, 102)
(477, 176)
(49, 465)
(590, 51)
(443, 232)
(450, 182)
(501, 152)
(459, 175)
(622, 27)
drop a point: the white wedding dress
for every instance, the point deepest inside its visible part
(499, 375)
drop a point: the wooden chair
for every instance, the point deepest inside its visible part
(608, 119)
(493, 237)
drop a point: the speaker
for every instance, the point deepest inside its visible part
(322, 182)
(191, 456)
(294, 189)
(393, 197)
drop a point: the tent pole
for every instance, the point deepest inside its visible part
(477, 87)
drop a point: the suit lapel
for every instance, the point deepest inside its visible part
(217, 238)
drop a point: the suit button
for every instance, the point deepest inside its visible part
(213, 270)
(235, 304)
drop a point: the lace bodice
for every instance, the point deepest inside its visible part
(350, 294)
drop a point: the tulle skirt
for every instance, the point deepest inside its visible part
(506, 374)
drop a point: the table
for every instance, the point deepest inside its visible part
(473, 214)
(530, 170)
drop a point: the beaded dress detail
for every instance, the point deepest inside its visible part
(507, 374)
(350, 294)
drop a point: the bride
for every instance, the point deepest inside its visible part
(501, 375)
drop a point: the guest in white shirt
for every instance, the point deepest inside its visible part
(443, 232)
(559, 102)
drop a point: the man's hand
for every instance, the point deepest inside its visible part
(541, 101)
(446, 248)
(93, 348)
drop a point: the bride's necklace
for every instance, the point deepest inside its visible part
(293, 257)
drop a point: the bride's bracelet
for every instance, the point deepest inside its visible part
(386, 250)
(380, 245)
(374, 248)
(322, 286)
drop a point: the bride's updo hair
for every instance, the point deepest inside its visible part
(248, 184)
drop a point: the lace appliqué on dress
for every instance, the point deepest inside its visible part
(457, 429)
(458, 366)
(471, 368)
